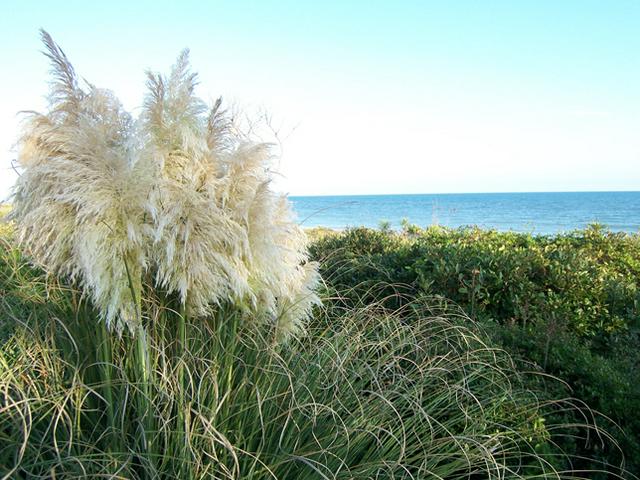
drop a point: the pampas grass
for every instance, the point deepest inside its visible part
(176, 200)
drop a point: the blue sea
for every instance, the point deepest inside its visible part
(538, 213)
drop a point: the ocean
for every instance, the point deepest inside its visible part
(538, 213)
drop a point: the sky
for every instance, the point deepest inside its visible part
(371, 97)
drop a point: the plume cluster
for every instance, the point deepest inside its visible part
(179, 199)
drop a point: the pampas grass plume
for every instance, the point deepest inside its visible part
(177, 194)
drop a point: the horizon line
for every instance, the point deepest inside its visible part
(457, 193)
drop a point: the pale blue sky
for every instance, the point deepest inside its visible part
(374, 97)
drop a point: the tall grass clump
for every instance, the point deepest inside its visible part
(157, 321)
(177, 201)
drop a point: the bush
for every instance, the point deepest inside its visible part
(570, 301)
(587, 279)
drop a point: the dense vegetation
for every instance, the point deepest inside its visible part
(370, 392)
(568, 305)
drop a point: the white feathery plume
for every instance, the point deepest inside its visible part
(199, 249)
(179, 193)
(78, 205)
(282, 280)
(297, 301)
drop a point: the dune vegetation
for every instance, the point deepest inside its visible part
(565, 305)
(161, 317)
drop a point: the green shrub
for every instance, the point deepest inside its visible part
(572, 298)
(586, 279)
